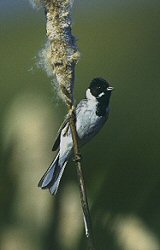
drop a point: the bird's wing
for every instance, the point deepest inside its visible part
(66, 120)
(81, 104)
(57, 139)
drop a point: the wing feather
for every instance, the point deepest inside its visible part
(66, 120)
(57, 139)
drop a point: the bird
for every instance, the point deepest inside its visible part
(91, 114)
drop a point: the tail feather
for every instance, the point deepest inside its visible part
(55, 184)
(48, 176)
(52, 176)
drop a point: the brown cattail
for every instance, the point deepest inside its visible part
(60, 54)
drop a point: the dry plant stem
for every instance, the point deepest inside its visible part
(83, 193)
(61, 55)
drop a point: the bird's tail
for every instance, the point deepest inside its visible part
(52, 176)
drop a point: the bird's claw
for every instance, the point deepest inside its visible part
(77, 157)
(72, 113)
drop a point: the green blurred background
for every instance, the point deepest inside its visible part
(119, 41)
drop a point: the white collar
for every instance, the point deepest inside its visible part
(89, 96)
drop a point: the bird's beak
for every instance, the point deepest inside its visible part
(110, 88)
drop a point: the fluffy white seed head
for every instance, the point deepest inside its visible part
(36, 3)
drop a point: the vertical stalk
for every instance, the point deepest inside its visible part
(83, 193)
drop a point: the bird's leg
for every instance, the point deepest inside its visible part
(70, 113)
(78, 157)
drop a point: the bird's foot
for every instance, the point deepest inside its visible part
(72, 113)
(77, 157)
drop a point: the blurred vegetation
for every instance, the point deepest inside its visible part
(119, 42)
